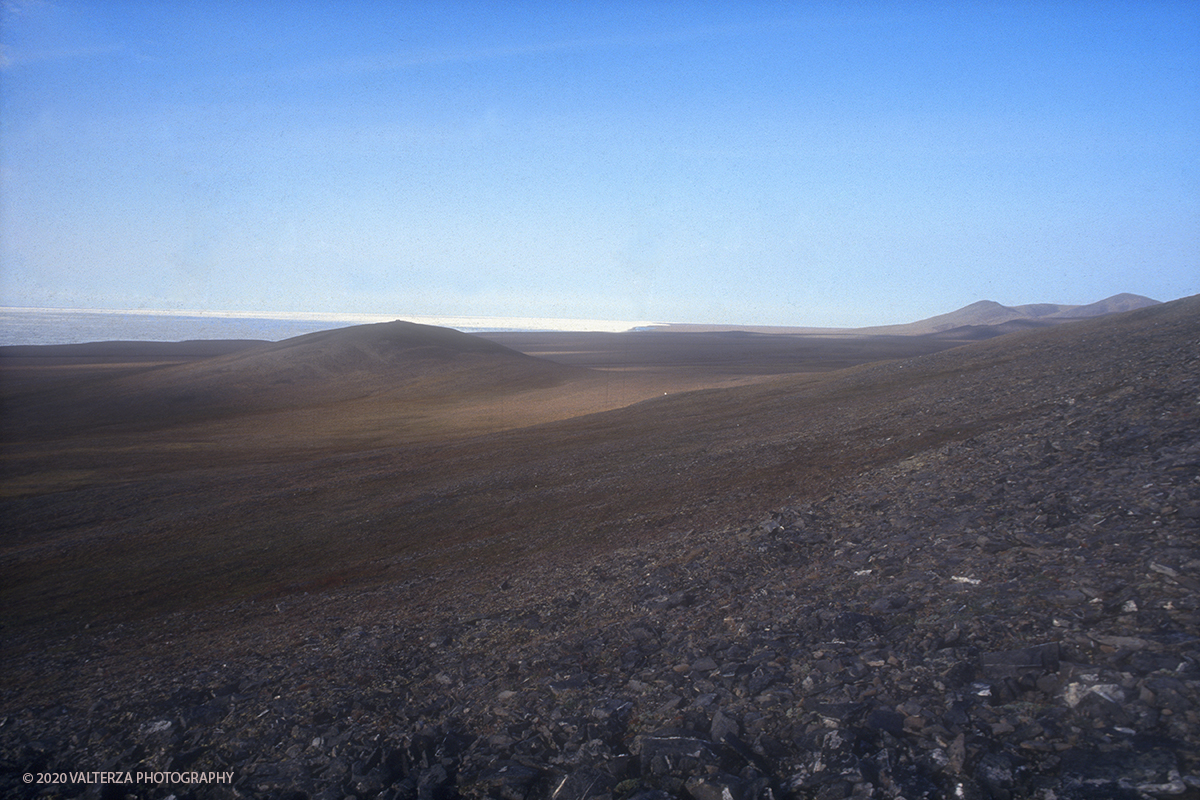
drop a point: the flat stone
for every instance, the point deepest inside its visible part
(676, 752)
(1036, 660)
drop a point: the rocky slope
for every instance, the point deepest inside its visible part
(1014, 613)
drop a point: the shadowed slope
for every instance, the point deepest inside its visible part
(975, 333)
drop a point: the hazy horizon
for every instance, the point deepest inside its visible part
(817, 165)
(35, 326)
(52, 326)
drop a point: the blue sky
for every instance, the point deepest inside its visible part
(755, 163)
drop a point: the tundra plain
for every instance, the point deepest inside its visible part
(142, 478)
(395, 561)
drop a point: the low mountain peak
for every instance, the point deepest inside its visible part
(397, 335)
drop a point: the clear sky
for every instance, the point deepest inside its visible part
(772, 163)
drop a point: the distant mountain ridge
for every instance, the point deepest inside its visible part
(980, 320)
(1005, 319)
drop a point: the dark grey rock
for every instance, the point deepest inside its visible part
(676, 753)
(723, 727)
(1035, 661)
(882, 719)
(852, 626)
(997, 775)
(506, 780)
(583, 784)
(720, 786)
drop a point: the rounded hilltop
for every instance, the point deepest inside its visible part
(396, 362)
(379, 348)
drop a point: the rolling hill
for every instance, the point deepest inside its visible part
(351, 362)
(394, 362)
